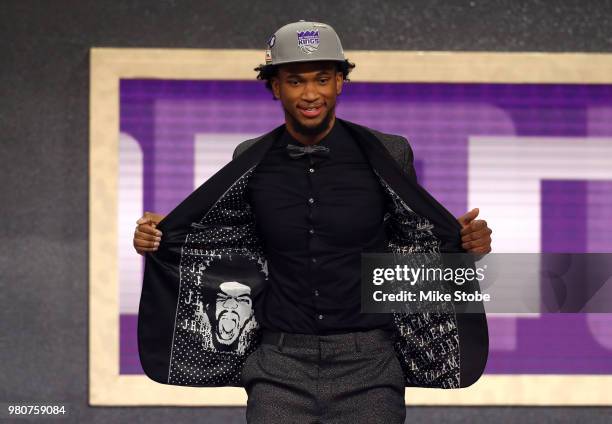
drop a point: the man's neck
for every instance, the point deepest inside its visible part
(310, 139)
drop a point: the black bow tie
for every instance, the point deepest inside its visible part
(299, 151)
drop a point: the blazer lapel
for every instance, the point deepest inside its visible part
(472, 331)
(446, 227)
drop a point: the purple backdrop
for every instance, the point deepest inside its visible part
(165, 115)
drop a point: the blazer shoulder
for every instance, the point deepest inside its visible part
(399, 148)
(243, 146)
(388, 139)
(397, 145)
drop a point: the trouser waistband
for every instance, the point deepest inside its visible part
(361, 339)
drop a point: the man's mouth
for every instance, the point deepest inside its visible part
(311, 111)
(228, 325)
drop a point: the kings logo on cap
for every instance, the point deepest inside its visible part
(308, 41)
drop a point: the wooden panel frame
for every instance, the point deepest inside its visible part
(109, 65)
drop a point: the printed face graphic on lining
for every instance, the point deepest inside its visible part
(233, 309)
(218, 308)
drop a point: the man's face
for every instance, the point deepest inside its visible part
(308, 94)
(233, 308)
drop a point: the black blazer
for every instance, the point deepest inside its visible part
(210, 251)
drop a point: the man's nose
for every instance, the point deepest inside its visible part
(310, 92)
(230, 303)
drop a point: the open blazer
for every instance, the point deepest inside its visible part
(211, 255)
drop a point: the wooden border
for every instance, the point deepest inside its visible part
(108, 66)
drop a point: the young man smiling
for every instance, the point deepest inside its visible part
(302, 203)
(308, 94)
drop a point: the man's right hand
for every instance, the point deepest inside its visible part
(146, 235)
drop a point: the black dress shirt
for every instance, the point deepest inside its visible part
(316, 216)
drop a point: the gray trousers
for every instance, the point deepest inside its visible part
(347, 378)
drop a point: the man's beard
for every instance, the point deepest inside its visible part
(311, 131)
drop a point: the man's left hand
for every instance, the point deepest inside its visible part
(475, 234)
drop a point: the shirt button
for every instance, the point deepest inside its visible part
(320, 316)
(311, 200)
(316, 292)
(311, 231)
(314, 260)
(311, 170)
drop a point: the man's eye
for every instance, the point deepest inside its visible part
(323, 80)
(294, 82)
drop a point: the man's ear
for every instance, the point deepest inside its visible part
(275, 83)
(339, 82)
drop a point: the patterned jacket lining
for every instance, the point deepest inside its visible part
(427, 344)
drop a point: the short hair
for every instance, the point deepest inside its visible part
(267, 72)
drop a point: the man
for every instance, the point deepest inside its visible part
(232, 311)
(298, 206)
(224, 317)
